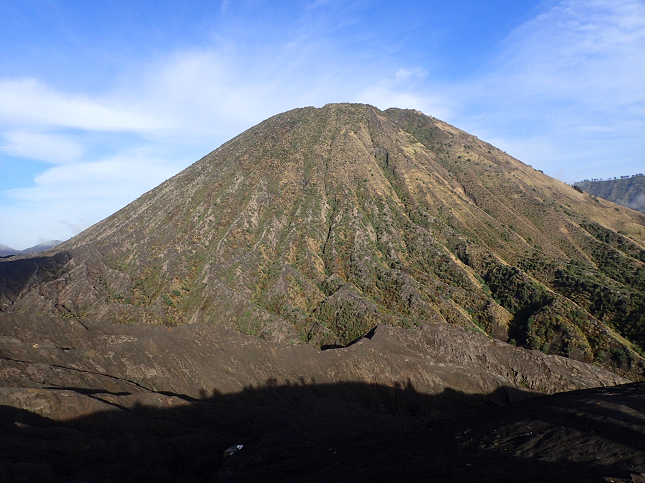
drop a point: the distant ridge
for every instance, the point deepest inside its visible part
(6, 251)
(627, 191)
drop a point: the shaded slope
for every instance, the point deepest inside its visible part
(317, 224)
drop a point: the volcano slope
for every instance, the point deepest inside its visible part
(318, 224)
(194, 318)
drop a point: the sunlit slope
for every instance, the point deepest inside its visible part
(319, 224)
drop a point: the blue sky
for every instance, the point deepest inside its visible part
(101, 101)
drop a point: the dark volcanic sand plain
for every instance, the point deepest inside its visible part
(589, 435)
(85, 401)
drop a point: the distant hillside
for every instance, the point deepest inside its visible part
(628, 191)
(6, 251)
(41, 247)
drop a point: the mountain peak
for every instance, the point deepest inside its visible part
(320, 223)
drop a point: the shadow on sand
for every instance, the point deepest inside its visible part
(328, 432)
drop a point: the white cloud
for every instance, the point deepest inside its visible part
(588, 52)
(51, 148)
(201, 91)
(404, 75)
(116, 176)
(27, 102)
(74, 228)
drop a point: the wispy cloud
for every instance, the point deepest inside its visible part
(583, 50)
(51, 148)
(405, 75)
(72, 196)
(567, 88)
(28, 102)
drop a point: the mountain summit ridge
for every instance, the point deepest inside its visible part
(319, 224)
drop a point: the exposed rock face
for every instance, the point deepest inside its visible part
(318, 224)
(628, 191)
(83, 400)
